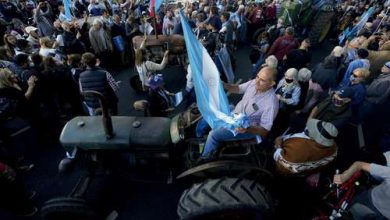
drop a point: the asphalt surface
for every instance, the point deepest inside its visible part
(144, 196)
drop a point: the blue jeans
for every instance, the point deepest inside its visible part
(202, 128)
(219, 135)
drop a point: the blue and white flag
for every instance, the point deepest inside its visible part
(210, 96)
(348, 33)
(225, 64)
(67, 6)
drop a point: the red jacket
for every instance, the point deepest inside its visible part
(270, 12)
(282, 46)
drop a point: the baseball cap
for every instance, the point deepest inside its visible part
(28, 29)
(155, 81)
(346, 93)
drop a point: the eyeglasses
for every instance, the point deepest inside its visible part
(356, 76)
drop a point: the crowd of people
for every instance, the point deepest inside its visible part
(51, 53)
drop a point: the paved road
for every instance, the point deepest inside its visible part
(148, 199)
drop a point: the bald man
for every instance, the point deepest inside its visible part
(259, 103)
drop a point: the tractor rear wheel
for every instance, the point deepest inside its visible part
(68, 208)
(321, 27)
(225, 198)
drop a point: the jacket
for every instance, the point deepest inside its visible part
(304, 156)
(379, 90)
(100, 40)
(282, 46)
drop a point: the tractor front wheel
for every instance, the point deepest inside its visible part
(225, 198)
(321, 27)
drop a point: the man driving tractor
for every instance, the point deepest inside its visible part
(259, 103)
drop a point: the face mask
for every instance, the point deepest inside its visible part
(337, 102)
(289, 80)
(352, 78)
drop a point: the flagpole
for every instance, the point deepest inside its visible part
(144, 24)
(380, 23)
(155, 22)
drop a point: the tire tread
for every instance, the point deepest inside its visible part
(215, 196)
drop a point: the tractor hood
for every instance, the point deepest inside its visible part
(131, 134)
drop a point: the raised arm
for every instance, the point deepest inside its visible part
(155, 66)
(357, 166)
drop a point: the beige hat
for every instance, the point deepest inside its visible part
(321, 132)
(28, 29)
(338, 51)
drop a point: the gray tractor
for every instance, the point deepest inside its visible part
(231, 187)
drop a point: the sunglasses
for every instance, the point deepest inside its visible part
(354, 75)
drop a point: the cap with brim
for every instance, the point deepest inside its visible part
(346, 93)
(155, 81)
(321, 132)
(30, 28)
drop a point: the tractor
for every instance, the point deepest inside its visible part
(317, 15)
(310, 18)
(231, 185)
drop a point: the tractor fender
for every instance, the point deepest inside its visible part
(176, 42)
(323, 5)
(217, 169)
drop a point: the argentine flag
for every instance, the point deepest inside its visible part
(210, 95)
(349, 34)
(67, 7)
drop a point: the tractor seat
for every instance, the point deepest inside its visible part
(251, 141)
(237, 148)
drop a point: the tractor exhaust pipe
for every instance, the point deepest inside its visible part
(106, 117)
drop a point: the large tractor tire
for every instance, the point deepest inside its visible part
(256, 35)
(225, 198)
(65, 208)
(321, 27)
